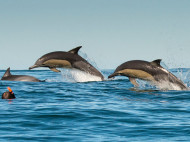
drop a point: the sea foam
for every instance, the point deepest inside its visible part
(74, 75)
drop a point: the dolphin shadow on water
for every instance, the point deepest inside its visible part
(149, 71)
(9, 77)
(70, 59)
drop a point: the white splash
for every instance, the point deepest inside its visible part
(73, 75)
(161, 85)
(166, 85)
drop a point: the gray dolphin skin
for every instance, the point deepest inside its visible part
(9, 77)
(70, 59)
(149, 71)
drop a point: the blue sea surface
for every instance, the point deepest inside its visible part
(61, 109)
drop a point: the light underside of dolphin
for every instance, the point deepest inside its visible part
(149, 71)
(70, 59)
(9, 77)
(52, 64)
(133, 74)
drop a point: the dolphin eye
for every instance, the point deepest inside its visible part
(89, 66)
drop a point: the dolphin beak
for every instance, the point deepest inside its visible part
(112, 75)
(32, 67)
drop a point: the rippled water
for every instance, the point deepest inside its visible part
(61, 109)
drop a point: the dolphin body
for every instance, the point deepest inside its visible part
(149, 71)
(8, 76)
(70, 59)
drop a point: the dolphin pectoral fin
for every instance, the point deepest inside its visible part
(133, 81)
(54, 69)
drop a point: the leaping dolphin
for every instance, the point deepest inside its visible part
(8, 76)
(149, 71)
(70, 59)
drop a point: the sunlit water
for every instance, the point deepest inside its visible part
(67, 108)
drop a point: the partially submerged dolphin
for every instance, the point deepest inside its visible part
(70, 59)
(8, 76)
(149, 71)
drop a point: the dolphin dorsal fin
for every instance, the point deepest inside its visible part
(7, 73)
(156, 62)
(75, 50)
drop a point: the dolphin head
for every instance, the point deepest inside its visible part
(37, 64)
(113, 75)
(34, 66)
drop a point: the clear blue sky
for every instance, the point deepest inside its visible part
(110, 31)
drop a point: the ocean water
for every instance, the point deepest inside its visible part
(67, 107)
